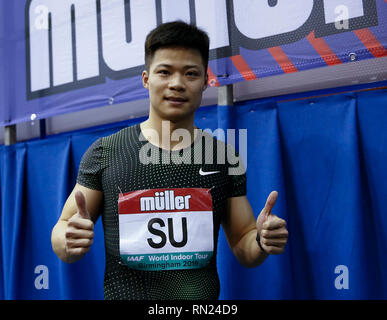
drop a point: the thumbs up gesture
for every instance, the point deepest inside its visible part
(271, 229)
(79, 233)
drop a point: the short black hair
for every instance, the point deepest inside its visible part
(177, 34)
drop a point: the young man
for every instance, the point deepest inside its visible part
(162, 202)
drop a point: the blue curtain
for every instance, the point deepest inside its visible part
(327, 158)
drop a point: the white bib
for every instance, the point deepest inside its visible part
(166, 229)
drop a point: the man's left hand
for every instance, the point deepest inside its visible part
(272, 229)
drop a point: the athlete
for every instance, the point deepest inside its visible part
(161, 198)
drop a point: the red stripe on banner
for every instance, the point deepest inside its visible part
(323, 49)
(212, 80)
(371, 43)
(283, 60)
(243, 68)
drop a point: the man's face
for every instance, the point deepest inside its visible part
(176, 80)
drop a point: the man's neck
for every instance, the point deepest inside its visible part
(167, 134)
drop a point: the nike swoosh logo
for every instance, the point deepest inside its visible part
(206, 173)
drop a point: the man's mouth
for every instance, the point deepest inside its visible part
(175, 99)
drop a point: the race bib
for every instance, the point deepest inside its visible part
(166, 229)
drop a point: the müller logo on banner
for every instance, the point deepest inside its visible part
(72, 44)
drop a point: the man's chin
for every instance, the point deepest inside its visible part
(177, 115)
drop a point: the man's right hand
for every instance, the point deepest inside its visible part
(79, 233)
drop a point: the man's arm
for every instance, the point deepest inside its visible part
(241, 230)
(73, 234)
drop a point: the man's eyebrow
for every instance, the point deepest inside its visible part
(192, 66)
(165, 65)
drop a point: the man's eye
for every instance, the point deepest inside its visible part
(193, 74)
(163, 72)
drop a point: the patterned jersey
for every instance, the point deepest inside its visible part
(124, 163)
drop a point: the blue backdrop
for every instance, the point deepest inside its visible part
(326, 157)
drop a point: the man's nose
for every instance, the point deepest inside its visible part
(176, 82)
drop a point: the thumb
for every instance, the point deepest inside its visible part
(270, 202)
(81, 204)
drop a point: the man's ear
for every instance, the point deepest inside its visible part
(205, 82)
(145, 78)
